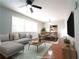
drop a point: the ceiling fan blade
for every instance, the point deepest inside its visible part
(37, 6)
(31, 10)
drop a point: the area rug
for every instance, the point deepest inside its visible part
(32, 52)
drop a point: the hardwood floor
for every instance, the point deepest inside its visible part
(54, 52)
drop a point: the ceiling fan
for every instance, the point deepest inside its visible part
(30, 2)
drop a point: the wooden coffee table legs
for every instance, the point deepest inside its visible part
(28, 46)
(34, 45)
(37, 48)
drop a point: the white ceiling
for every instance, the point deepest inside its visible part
(54, 10)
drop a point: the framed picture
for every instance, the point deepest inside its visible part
(53, 28)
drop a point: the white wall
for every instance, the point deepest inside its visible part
(76, 14)
(76, 23)
(40, 26)
(71, 6)
(6, 20)
(61, 26)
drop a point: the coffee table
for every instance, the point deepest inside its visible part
(36, 43)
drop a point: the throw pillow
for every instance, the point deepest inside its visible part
(11, 36)
(27, 35)
(15, 36)
(22, 35)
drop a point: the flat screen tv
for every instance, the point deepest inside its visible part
(70, 25)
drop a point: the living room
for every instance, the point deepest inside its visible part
(16, 17)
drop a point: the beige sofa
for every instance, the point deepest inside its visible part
(19, 37)
(14, 42)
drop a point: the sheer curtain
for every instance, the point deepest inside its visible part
(30, 26)
(23, 25)
(17, 24)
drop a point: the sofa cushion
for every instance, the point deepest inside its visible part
(23, 40)
(27, 35)
(10, 48)
(22, 35)
(14, 36)
(4, 37)
(10, 36)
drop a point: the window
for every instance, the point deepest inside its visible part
(17, 24)
(30, 26)
(22, 25)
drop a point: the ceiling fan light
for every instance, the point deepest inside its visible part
(31, 10)
(29, 6)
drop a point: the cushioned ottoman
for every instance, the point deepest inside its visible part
(9, 48)
(23, 40)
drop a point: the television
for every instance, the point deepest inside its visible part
(70, 25)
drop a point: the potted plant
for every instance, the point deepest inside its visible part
(43, 30)
(67, 42)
